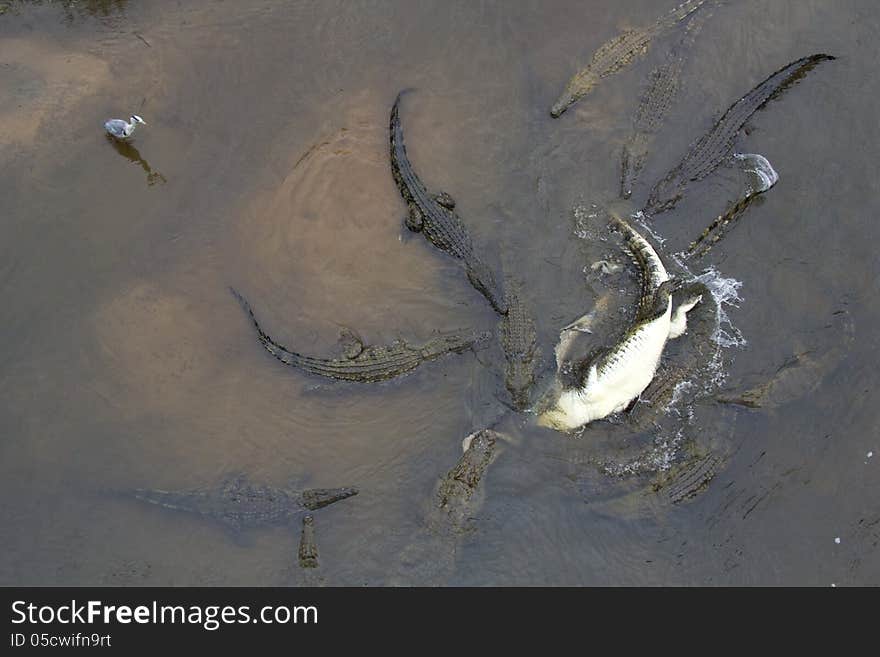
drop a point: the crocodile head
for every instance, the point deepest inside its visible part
(565, 101)
(316, 498)
(577, 88)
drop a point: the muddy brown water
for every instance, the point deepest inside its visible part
(124, 362)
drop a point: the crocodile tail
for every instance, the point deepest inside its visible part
(264, 337)
(395, 109)
(731, 214)
(282, 353)
(796, 71)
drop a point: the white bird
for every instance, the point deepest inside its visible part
(122, 129)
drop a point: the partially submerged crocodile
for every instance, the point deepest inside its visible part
(431, 554)
(766, 177)
(367, 364)
(608, 380)
(707, 154)
(674, 457)
(240, 504)
(434, 216)
(673, 377)
(308, 548)
(655, 492)
(688, 479)
(455, 491)
(519, 344)
(618, 53)
(652, 456)
(802, 372)
(664, 87)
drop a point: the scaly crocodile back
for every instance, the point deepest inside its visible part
(617, 53)
(519, 343)
(374, 363)
(663, 89)
(707, 153)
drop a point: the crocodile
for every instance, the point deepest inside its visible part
(430, 556)
(663, 89)
(618, 53)
(308, 548)
(714, 232)
(802, 373)
(707, 153)
(368, 364)
(434, 216)
(642, 495)
(675, 479)
(608, 380)
(519, 343)
(670, 378)
(240, 504)
(679, 463)
(454, 492)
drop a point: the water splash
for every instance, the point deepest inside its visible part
(765, 175)
(720, 335)
(678, 394)
(725, 291)
(643, 221)
(661, 456)
(586, 222)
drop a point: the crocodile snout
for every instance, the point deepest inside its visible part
(316, 498)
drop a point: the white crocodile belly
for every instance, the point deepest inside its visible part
(625, 379)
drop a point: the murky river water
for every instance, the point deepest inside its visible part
(125, 363)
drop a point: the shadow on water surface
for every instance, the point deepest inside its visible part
(130, 153)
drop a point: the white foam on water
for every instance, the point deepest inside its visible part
(586, 222)
(642, 220)
(681, 388)
(725, 291)
(659, 458)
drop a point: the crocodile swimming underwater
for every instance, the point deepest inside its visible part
(434, 216)
(618, 53)
(665, 85)
(367, 364)
(240, 504)
(606, 381)
(715, 147)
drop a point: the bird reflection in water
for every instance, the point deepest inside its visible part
(129, 152)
